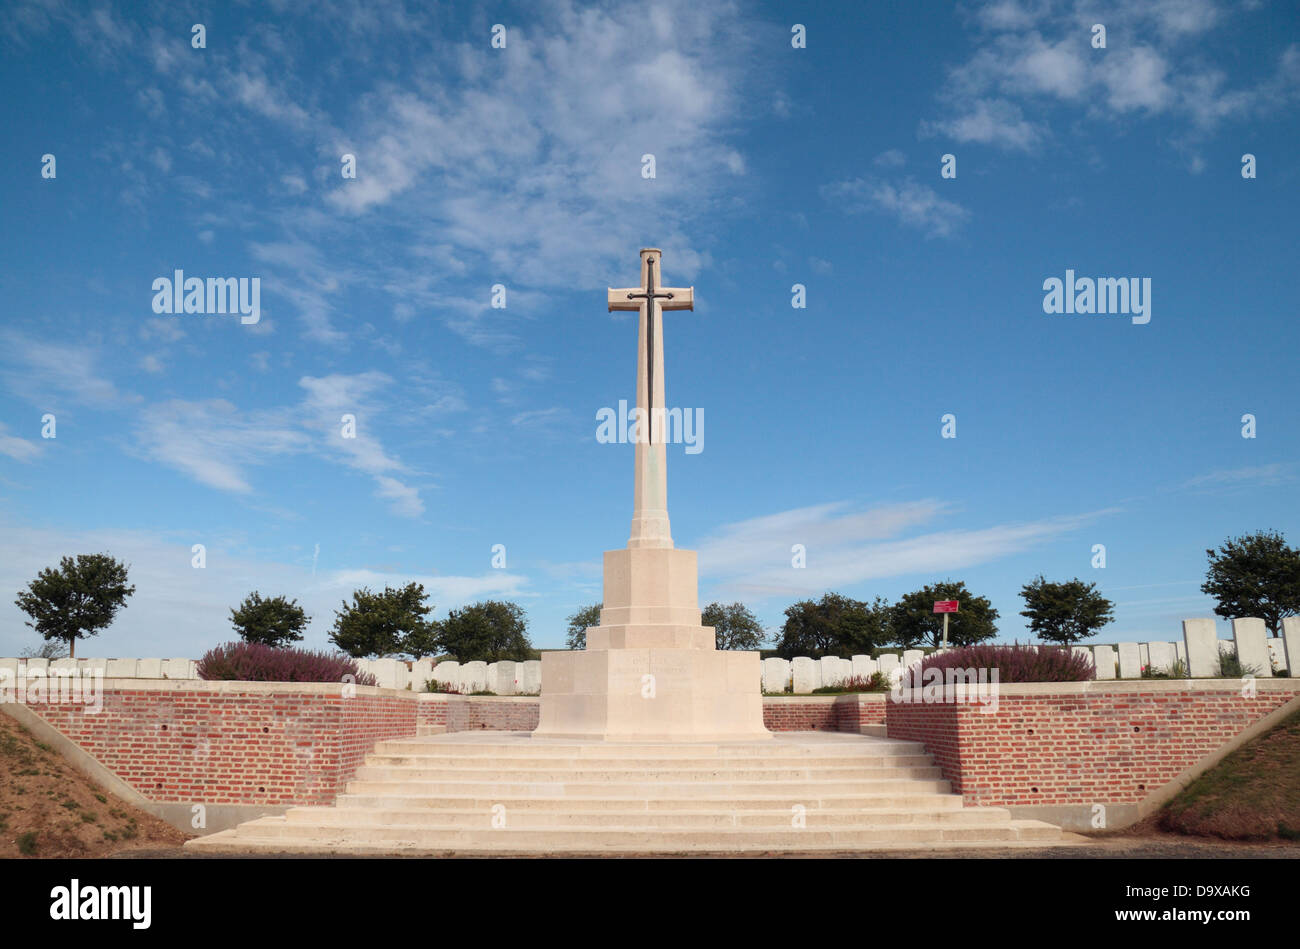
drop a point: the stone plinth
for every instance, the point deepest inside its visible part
(650, 671)
(646, 694)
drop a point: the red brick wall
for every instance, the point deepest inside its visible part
(213, 747)
(1114, 746)
(845, 713)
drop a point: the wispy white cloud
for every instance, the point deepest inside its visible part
(178, 610)
(1256, 475)
(913, 204)
(51, 375)
(844, 546)
(19, 449)
(1032, 56)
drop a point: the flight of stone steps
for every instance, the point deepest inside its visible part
(509, 793)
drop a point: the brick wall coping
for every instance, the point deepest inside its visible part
(449, 696)
(1133, 686)
(237, 686)
(828, 699)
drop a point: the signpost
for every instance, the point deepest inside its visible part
(945, 607)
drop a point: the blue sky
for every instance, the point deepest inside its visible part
(522, 167)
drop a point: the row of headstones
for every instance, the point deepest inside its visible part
(1198, 653)
(802, 675)
(503, 678)
(109, 668)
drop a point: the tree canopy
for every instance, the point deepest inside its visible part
(835, 625)
(274, 621)
(76, 600)
(734, 626)
(1255, 575)
(1065, 613)
(913, 621)
(577, 629)
(383, 624)
(489, 632)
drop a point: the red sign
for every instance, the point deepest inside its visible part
(945, 606)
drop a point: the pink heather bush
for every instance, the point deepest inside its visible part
(254, 662)
(1017, 663)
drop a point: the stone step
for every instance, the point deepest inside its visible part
(925, 801)
(461, 745)
(438, 794)
(780, 819)
(793, 790)
(633, 837)
(619, 776)
(514, 763)
(229, 842)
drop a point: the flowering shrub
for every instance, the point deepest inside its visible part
(1017, 663)
(876, 682)
(255, 662)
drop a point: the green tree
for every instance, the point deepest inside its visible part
(734, 626)
(77, 600)
(487, 632)
(381, 624)
(835, 625)
(913, 620)
(578, 623)
(1255, 575)
(1065, 613)
(272, 622)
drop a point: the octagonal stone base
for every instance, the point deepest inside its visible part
(650, 694)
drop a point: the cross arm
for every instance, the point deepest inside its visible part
(618, 299)
(676, 298)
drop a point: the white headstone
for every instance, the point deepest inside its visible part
(1162, 657)
(830, 670)
(530, 679)
(447, 673)
(421, 673)
(385, 672)
(864, 667)
(1104, 656)
(889, 664)
(776, 674)
(1249, 634)
(1276, 655)
(1202, 644)
(507, 678)
(473, 676)
(1130, 661)
(1144, 654)
(806, 674)
(148, 668)
(912, 656)
(1180, 653)
(120, 669)
(1291, 644)
(35, 663)
(176, 669)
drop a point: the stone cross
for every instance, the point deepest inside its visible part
(650, 490)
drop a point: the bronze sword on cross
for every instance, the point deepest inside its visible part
(650, 299)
